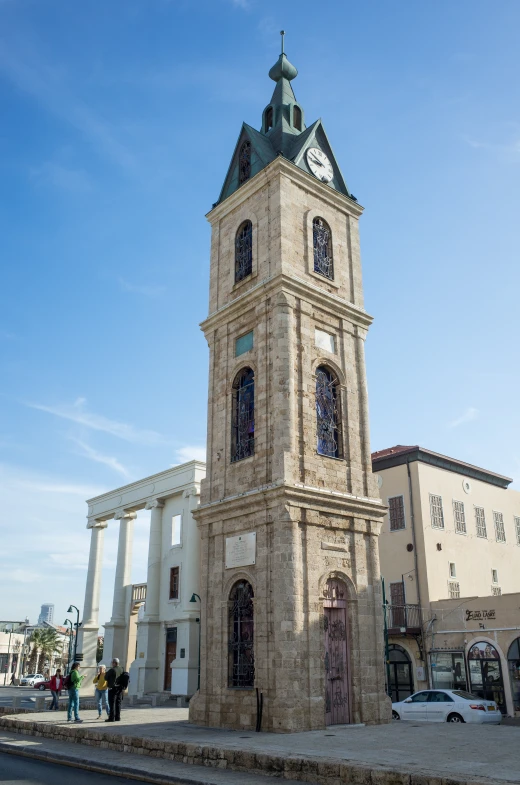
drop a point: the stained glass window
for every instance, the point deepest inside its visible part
(322, 241)
(327, 415)
(244, 162)
(243, 434)
(241, 637)
(244, 251)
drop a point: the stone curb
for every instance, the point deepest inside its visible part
(294, 767)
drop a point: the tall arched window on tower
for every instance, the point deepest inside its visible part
(243, 432)
(322, 242)
(241, 636)
(244, 251)
(297, 118)
(328, 431)
(244, 162)
(268, 118)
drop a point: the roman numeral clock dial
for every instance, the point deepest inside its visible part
(319, 165)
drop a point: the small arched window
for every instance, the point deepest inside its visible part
(268, 118)
(244, 251)
(322, 243)
(297, 118)
(241, 636)
(327, 413)
(243, 419)
(244, 162)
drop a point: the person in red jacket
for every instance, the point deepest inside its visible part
(56, 688)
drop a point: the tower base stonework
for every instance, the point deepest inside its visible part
(304, 538)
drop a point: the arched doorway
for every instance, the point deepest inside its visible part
(337, 663)
(485, 673)
(401, 673)
(513, 664)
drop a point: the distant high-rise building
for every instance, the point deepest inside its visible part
(46, 613)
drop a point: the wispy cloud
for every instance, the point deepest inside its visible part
(6, 335)
(52, 173)
(190, 452)
(510, 149)
(77, 412)
(468, 416)
(21, 576)
(146, 290)
(71, 561)
(97, 457)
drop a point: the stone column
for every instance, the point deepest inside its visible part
(116, 631)
(149, 633)
(89, 630)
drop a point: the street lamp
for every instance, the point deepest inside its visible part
(194, 598)
(77, 629)
(68, 621)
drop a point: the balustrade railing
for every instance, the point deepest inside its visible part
(403, 617)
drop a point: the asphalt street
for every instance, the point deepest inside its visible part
(28, 695)
(15, 770)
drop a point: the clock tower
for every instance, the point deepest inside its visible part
(291, 605)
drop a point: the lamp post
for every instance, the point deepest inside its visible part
(68, 621)
(77, 629)
(194, 598)
(8, 652)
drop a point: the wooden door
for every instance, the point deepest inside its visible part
(337, 666)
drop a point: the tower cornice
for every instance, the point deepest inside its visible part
(277, 168)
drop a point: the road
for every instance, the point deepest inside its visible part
(16, 770)
(28, 695)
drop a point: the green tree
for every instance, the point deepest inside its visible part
(35, 641)
(49, 647)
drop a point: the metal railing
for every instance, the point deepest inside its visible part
(403, 617)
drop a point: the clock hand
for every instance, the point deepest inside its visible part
(316, 160)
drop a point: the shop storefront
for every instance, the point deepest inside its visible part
(448, 670)
(513, 666)
(485, 674)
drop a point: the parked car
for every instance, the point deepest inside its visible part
(42, 685)
(31, 678)
(446, 706)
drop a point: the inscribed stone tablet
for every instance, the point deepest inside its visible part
(241, 550)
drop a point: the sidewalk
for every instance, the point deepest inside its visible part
(400, 753)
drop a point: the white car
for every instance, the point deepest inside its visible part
(31, 678)
(446, 706)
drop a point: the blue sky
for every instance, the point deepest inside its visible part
(118, 123)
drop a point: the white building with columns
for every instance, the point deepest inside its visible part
(154, 628)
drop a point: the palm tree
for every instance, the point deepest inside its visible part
(49, 647)
(36, 642)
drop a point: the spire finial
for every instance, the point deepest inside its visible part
(282, 33)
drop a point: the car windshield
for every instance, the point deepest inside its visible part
(466, 695)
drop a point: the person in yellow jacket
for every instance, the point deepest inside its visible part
(101, 690)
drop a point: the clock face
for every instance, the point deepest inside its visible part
(319, 165)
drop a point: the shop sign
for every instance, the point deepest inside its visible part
(479, 615)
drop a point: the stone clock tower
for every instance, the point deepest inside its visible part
(291, 607)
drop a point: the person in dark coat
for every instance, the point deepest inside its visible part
(115, 693)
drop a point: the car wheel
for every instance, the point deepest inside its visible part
(41, 687)
(455, 718)
(395, 715)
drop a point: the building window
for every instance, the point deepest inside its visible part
(459, 517)
(244, 251)
(500, 532)
(243, 420)
(453, 570)
(322, 242)
(496, 591)
(494, 576)
(480, 520)
(324, 340)
(297, 118)
(327, 413)
(268, 118)
(244, 162)
(517, 530)
(176, 529)
(396, 513)
(174, 583)
(241, 636)
(244, 344)
(436, 513)
(453, 590)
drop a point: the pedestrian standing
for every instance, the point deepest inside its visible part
(56, 688)
(101, 690)
(74, 684)
(115, 693)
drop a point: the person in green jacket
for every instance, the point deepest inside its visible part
(74, 684)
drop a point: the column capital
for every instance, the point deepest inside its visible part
(94, 524)
(125, 515)
(154, 503)
(193, 491)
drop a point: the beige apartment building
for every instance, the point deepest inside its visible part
(450, 558)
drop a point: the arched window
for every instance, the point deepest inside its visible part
(268, 118)
(241, 636)
(327, 413)
(244, 162)
(244, 251)
(513, 662)
(297, 118)
(243, 433)
(322, 242)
